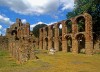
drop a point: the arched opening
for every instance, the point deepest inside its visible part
(81, 43)
(41, 30)
(60, 29)
(15, 28)
(53, 30)
(81, 23)
(52, 44)
(60, 44)
(60, 36)
(69, 26)
(46, 40)
(96, 42)
(69, 43)
(14, 32)
(46, 29)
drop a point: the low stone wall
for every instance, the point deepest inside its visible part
(22, 50)
(3, 43)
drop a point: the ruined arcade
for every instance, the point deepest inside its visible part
(73, 35)
(69, 36)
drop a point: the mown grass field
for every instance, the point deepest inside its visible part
(60, 62)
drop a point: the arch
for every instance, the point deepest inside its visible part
(52, 44)
(41, 29)
(60, 43)
(81, 43)
(95, 38)
(69, 43)
(15, 28)
(14, 32)
(52, 27)
(80, 23)
(69, 26)
(96, 41)
(46, 43)
(46, 29)
(60, 29)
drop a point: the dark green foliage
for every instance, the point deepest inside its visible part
(90, 6)
(81, 24)
(69, 26)
(36, 29)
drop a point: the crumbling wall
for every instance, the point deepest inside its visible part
(3, 43)
(21, 42)
(22, 50)
(79, 38)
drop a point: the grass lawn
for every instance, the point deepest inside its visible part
(59, 62)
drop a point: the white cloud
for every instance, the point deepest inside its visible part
(24, 21)
(67, 4)
(37, 7)
(51, 23)
(5, 20)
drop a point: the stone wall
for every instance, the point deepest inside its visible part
(21, 42)
(73, 35)
(22, 50)
(3, 43)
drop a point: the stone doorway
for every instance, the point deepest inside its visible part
(81, 24)
(69, 43)
(46, 40)
(60, 44)
(81, 43)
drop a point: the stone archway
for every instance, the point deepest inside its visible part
(14, 32)
(60, 36)
(52, 44)
(46, 45)
(60, 29)
(69, 26)
(81, 43)
(81, 24)
(60, 43)
(69, 43)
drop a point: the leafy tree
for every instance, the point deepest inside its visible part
(36, 29)
(90, 6)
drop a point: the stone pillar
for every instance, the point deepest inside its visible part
(64, 41)
(74, 45)
(56, 39)
(44, 38)
(41, 39)
(88, 35)
(50, 37)
(74, 32)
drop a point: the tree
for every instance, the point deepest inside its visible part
(36, 29)
(90, 6)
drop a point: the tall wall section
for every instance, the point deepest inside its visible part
(3, 43)
(73, 35)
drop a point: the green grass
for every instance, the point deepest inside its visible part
(59, 62)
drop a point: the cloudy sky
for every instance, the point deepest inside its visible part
(33, 11)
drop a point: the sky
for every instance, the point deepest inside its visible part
(33, 11)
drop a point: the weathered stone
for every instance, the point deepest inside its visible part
(81, 37)
(20, 41)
